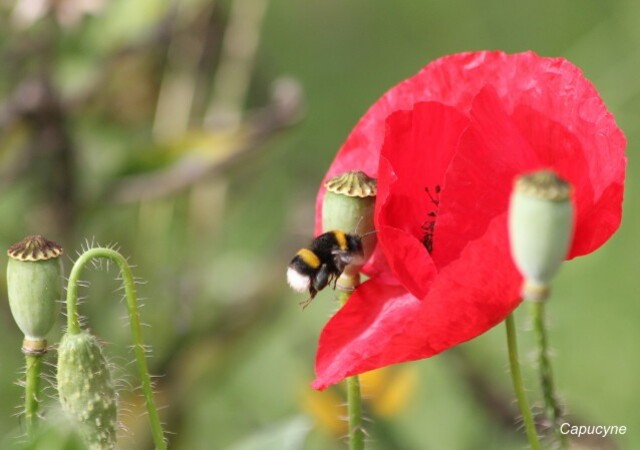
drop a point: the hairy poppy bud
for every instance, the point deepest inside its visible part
(34, 284)
(86, 389)
(540, 229)
(349, 205)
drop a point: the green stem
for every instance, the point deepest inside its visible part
(73, 326)
(552, 409)
(32, 391)
(354, 400)
(518, 385)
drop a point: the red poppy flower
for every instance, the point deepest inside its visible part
(445, 146)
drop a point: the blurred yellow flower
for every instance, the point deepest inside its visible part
(327, 408)
(385, 392)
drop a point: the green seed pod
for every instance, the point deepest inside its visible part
(86, 389)
(34, 284)
(349, 205)
(540, 229)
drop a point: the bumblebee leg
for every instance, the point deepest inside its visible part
(341, 261)
(318, 283)
(321, 279)
(303, 304)
(312, 294)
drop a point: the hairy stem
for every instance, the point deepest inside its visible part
(551, 406)
(32, 391)
(354, 400)
(73, 326)
(518, 385)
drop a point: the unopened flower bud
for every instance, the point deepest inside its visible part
(34, 284)
(349, 205)
(540, 229)
(86, 389)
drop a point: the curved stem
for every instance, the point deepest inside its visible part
(518, 385)
(354, 400)
(32, 390)
(552, 409)
(73, 326)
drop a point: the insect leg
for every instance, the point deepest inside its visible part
(321, 279)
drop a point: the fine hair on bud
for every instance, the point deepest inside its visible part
(86, 389)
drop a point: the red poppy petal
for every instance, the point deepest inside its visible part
(499, 147)
(593, 163)
(560, 113)
(597, 223)
(479, 180)
(382, 325)
(408, 260)
(418, 148)
(378, 266)
(526, 113)
(420, 144)
(453, 80)
(359, 336)
(473, 293)
(552, 86)
(565, 97)
(399, 240)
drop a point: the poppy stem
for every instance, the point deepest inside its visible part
(551, 406)
(73, 326)
(518, 385)
(32, 391)
(354, 399)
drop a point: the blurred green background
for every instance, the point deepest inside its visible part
(194, 135)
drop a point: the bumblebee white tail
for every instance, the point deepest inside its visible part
(298, 282)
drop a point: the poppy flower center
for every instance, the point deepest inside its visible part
(428, 227)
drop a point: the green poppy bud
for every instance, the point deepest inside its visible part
(540, 229)
(34, 284)
(349, 205)
(86, 389)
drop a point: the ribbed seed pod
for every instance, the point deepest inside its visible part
(34, 285)
(540, 229)
(86, 389)
(349, 205)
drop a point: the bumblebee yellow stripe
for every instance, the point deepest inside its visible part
(341, 239)
(310, 258)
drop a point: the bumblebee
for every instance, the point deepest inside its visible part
(316, 266)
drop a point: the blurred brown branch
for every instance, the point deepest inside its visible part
(49, 154)
(284, 111)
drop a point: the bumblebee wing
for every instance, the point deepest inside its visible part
(341, 259)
